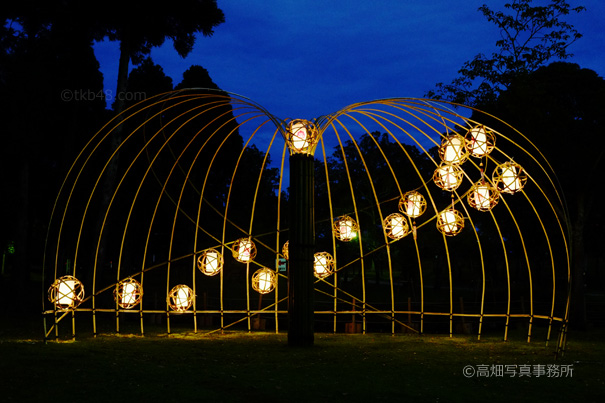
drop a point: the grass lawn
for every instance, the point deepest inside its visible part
(259, 366)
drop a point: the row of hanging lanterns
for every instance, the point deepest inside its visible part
(67, 292)
(479, 141)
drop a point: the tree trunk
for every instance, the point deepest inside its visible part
(110, 177)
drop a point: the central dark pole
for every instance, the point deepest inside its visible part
(301, 251)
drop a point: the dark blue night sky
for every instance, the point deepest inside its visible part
(303, 59)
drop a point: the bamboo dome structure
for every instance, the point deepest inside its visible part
(432, 214)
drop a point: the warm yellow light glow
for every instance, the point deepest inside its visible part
(128, 293)
(480, 141)
(323, 264)
(286, 250)
(66, 292)
(450, 222)
(396, 226)
(452, 149)
(483, 196)
(245, 247)
(264, 280)
(448, 176)
(210, 262)
(128, 296)
(509, 177)
(412, 204)
(301, 136)
(244, 250)
(345, 228)
(181, 298)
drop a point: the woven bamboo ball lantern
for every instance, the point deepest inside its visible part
(128, 293)
(210, 262)
(66, 292)
(396, 226)
(509, 177)
(453, 150)
(450, 222)
(244, 250)
(301, 137)
(285, 250)
(264, 280)
(180, 298)
(448, 176)
(323, 264)
(412, 204)
(482, 196)
(345, 228)
(480, 141)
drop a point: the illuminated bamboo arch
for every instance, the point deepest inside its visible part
(165, 211)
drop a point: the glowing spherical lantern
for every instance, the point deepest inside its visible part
(323, 264)
(128, 293)
(412, 204)
(285, 250)
(452, 149)
(509, 177)
(345, 228)
(210, 262)
(396, 226)
(244, 250)
(450, 222)
(301, 137)
(448, 176)
(482, 196)
(180, 298)
(264, 280)
(66, 292)
(480, 141)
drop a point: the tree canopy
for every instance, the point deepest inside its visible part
(530, 37)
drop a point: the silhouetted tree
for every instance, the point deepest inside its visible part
(560, 107)
(531, 36)
(51, 95)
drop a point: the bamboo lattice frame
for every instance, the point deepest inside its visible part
(453, 149)
(180, 298)
(264, 281)
(128, 293)
(450, 222)
(284, 250)
(482, 196)
(66, 292)
(345, 228)
(163, 208)
(323, 265)
(244, 250)
(396, 226)
(210, 262)
(509, 177)
(413, 204)
(480, 141)
(301, 137)
(448, 176)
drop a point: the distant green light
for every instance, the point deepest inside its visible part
(11, 248)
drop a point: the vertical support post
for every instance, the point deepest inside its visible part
(301, 251)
